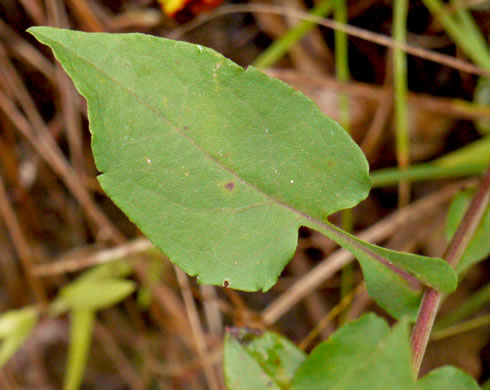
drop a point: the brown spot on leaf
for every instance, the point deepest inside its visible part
(229, 186)
(186, 127)
(226, 283)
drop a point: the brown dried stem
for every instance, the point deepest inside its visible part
(357, 32)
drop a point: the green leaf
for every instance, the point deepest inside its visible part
(482, 97)
(113, 269)
(217, 165)
(478, 248)
(252, 362)
(95, 294)
(474, 154)
(486, 385)
(447, 377)
(15, 326)
(361, 355)
(82, 324)
(390, 290)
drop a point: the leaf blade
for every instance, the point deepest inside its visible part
(268, 361)
(361, 355)
(447, 377)
(218, 166)
(15, 327)
(213, 177)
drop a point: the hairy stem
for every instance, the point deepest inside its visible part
(453, 254)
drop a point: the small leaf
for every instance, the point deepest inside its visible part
(12, 320)
(478, 248)
(361, 355)
(482, 97)
(82, 324)
(390, 290)
(447, 377)
(95, 294)
(255, 362)
(15, 326)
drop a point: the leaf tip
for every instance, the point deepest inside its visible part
(36, 31)
(43, 33)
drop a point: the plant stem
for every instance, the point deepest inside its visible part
(400, 99)
(280, 46)
(346, 276)
(342, 62)
(342, 73)
(453, 254)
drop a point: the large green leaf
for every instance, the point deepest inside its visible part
(362, 355)
(219, 166)
(447, 377)
(252, 362)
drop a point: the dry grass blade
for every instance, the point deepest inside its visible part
(77, 263)
(71, 116)
(336, 310)
(211, 310)
(379, 39)
(197, 331)
(23, 50)
(43, 143)
(21, 244)
(85, 14)
(123, 365)
(35, 11)
(442, 106)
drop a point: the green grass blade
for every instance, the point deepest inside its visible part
(82, 324)
(281, 46)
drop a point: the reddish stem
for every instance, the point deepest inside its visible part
(454, 251)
